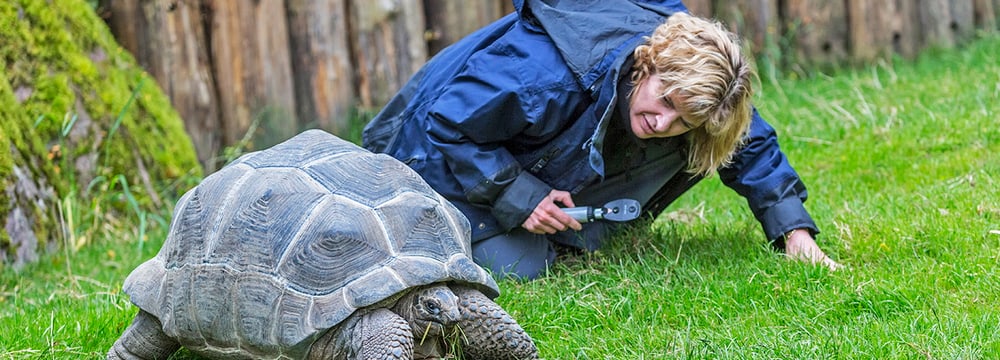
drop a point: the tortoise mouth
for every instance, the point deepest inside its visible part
(433, 340)
(426, 329)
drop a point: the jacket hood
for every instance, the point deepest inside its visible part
(613, 28)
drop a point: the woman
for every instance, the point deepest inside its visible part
(583, 102)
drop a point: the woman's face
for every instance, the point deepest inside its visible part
(652, 116)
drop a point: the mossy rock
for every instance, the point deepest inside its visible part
(82, 125)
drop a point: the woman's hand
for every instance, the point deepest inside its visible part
(800, 245)
(549, 218)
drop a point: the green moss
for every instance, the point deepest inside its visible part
(71, 93)
(7, 106)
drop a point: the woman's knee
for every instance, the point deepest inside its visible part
(518, 254)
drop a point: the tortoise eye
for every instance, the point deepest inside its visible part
(432, 307)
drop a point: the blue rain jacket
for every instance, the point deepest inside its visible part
(520, 107)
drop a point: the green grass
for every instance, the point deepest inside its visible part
(902, 165)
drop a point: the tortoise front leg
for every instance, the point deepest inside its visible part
(377, 335)
(492, 334)
(143, 340)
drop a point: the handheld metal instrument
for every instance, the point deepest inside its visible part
(617, 210)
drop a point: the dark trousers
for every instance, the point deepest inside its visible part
(521, 254)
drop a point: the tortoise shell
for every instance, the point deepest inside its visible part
(272, 250)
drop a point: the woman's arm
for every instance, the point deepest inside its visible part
(760, 172)
(499, 96)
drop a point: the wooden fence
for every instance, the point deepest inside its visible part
(286, 65)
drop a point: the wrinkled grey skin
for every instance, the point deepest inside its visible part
(427, 324)
(317, 249)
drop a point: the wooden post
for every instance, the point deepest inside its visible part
(700, 8)
(820, 30)
(996, 12)
(450, 20)
(388, 46)
(934, 19)
(321, 63)
(167, 38)
(249, 41)
(908, 43)
(985, 15)
(963, 23)
(753, 20)
(874, 27)
(507, 7)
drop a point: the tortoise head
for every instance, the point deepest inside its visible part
(433, 313)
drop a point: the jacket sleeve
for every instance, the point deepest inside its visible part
(495, 98)
(760, 172)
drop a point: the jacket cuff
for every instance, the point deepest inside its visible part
(519, 199)
(785, 216)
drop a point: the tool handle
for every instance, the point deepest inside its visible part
(583, 214)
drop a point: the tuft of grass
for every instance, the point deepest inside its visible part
(68, 306)
(902, 165)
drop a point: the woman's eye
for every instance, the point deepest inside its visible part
(667, 102)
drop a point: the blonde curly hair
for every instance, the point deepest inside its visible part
(703, 65)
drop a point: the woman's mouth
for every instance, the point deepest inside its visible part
(647, 125)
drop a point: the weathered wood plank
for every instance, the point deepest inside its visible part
(388, 47)
(450, 20)
(908, 42)
(507, 6)
(700, 8)
(323, 74)
(934, 18)
(167, 38)
(963, 23)
(753, 20)
(874, 26)
(820, 30)
(250, 55)
(996, 13)
(985, 14)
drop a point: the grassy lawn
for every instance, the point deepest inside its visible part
(902, 162)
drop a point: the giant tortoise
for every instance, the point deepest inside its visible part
(317, 249)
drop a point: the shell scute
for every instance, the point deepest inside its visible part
(293, 318)
(418, 269)
(189, 223)
(334, 247)
(246, 245)
(369, 179)
(418, 226)
(257, 301)
(214, 306)
(308, 147)
(372, 287)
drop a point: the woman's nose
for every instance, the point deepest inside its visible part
(667, 118)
